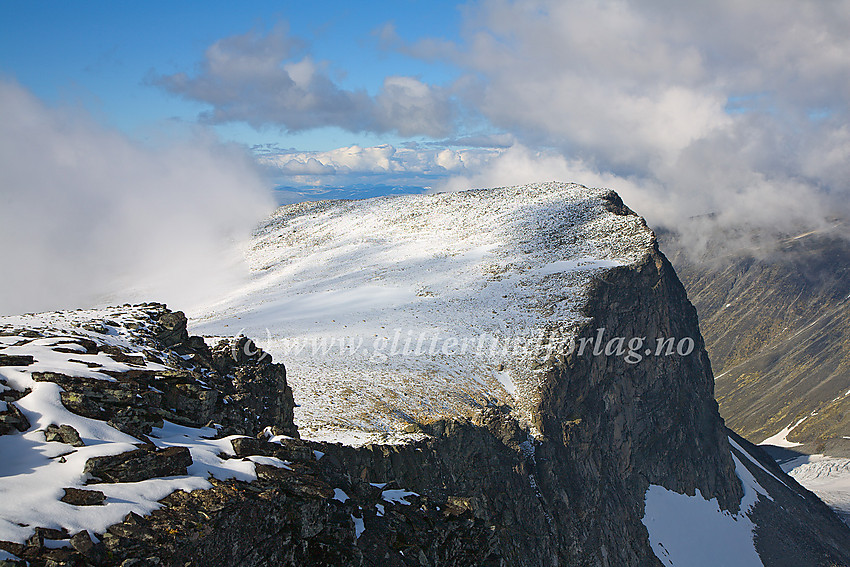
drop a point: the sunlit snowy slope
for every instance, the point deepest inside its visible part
(397, 310)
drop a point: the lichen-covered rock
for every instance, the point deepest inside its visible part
(299, 517)
(129, 405)
(235, 385)
(15, 360)
(258, 387)
(83, 544)
(172, 328)
(80, 497)
(13, 420)
(284, 449)
(63, 434)
(140, 464)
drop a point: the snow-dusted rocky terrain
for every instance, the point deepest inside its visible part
(36, 469)
(400, 310)
(431, 334)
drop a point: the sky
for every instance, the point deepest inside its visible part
(737, 109)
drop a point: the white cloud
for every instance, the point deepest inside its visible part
(519, 165)
(735, 197)
(88, 215)
(263, 80)
(734, 107)
(449, 160)
(410, 107)
(634, 95)
(355, 164)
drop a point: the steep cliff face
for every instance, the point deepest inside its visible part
(575, 494)
(619, 427)
(603, 464)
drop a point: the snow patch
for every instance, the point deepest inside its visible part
(504, 378)
(273, 461)
(690, 531)
(780, 439)
(828, 477)
(752, 488)
(756, 463)
(359, 526)
(397, 496)
(6, 556)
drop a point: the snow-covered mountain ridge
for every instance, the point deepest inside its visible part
(612, 462)
(397, 311)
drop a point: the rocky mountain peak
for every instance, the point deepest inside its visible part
(433, 306)
(140, 444)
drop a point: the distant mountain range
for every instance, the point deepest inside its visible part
(776, 321)
(288, 194)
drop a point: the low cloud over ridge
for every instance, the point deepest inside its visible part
(89, 216)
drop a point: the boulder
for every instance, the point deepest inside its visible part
(13, 420)
(63, 434)
(141, 464)
(82, 543)
(81, 497)
(173, 328)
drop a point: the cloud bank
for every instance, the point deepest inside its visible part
(88, 216)
(736, 108)
(384, 164)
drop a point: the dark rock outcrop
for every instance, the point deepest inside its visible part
(172, 330)
(15, 360)
(141, 464)
(13, 420)
(80, 497)
(63, 434)
(235, 386)
(289, 516)
(83, 544)
(257, 387)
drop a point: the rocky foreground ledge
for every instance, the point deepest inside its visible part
(128, 442)
(136, 444)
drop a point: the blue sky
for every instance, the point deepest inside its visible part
(101, 55)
